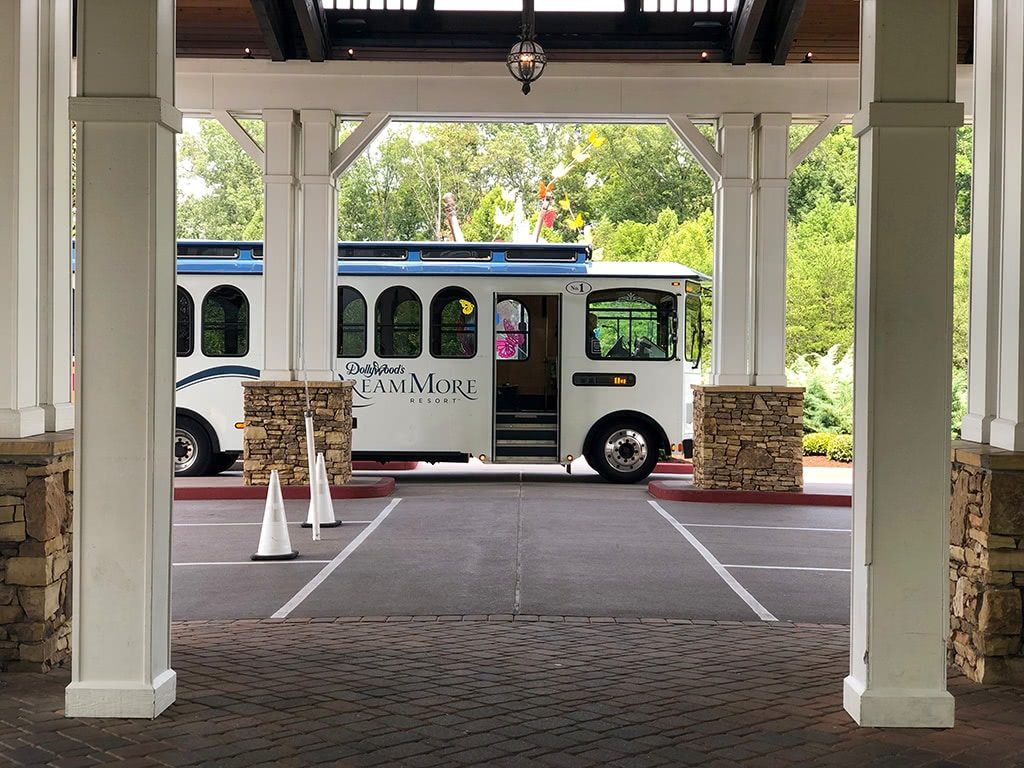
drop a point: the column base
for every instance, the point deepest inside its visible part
(22, 422)
(976, 428)
(770, 380)
(897, 707)
(269, 374)
(1008, 435)
(729, 380)
(121, 699)
(59, 416)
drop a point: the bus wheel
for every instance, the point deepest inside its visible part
(192, 450)
(624, 452)
(222, 462)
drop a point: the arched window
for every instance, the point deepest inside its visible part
(225, 322)
(186, 323)
(631, 324)
(511, 330)
(351, 322)
(399, 324)
(453, 324)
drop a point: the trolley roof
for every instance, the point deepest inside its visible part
(237, 257)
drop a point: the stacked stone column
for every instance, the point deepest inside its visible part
(986, 563)
(748, 438)
(275, 430)
(35, 551)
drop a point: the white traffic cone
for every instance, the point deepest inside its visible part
(274, 541)
(320, 505)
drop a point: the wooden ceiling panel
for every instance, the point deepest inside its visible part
(829, 29)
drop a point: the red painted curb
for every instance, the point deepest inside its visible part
(659, 489)
(369, 488)
(673, 468)
(385, 466)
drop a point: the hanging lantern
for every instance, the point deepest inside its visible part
(526, 60)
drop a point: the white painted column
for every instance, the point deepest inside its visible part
(986, 216)
(125, 313)
(903, 345)
(318, 270)
(34, 43)
(280, 184)
(771, 209)
(732, 311)
(55, 226)
(1008, 426)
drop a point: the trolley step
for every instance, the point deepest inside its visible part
(526, 417)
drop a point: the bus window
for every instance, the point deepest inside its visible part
(186, 320)
(632, 324)
(694, 328)
(453, 324)
(511, 331)
(399, 324)
(225, 323)
(351, 322)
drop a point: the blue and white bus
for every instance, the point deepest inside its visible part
(509, 353)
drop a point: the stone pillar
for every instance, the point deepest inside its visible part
(125, 352)
(906, 125)
(732, 308)
(319, 248)
(771, 212)
(1008, 427)
(986, 216)
(986, 563)
(35, 552)
(280, 184)
(748, 438)
(35, 153)
(275, 430)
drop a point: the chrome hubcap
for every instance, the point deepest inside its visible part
(185, 450)
(625, 450)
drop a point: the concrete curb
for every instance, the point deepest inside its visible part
(670, 491)
(359, 488)
(673, 468)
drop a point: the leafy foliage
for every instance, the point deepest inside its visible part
(816, 443)
(828, 382)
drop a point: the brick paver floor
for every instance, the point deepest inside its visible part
(534, 691)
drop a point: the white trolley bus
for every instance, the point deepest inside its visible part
(508, 353)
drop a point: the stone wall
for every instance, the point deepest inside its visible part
(275, 430)
(986, 563)
(35, 551)
(748, 438)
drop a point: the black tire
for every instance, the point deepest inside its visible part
(193, 451)
(624, 451)
(222, 462)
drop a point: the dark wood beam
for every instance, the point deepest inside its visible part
(272, 25)
(745, 21)
(787, 20)
(313, 24)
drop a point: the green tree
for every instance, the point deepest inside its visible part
(220, 188)
(819, 296)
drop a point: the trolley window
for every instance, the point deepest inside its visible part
(453, 324)
(186, 321)
(694, 338)
(631, 324)
(398, 331)
(351, 322)
(511, 331)
(225, 323)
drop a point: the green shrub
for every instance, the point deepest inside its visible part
(840, 448)
(816, 444)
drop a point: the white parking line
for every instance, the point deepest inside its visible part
(327, 570)
(254, 562)
(788, 568)
(763, 613)
(214, 525)
(765, 527)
